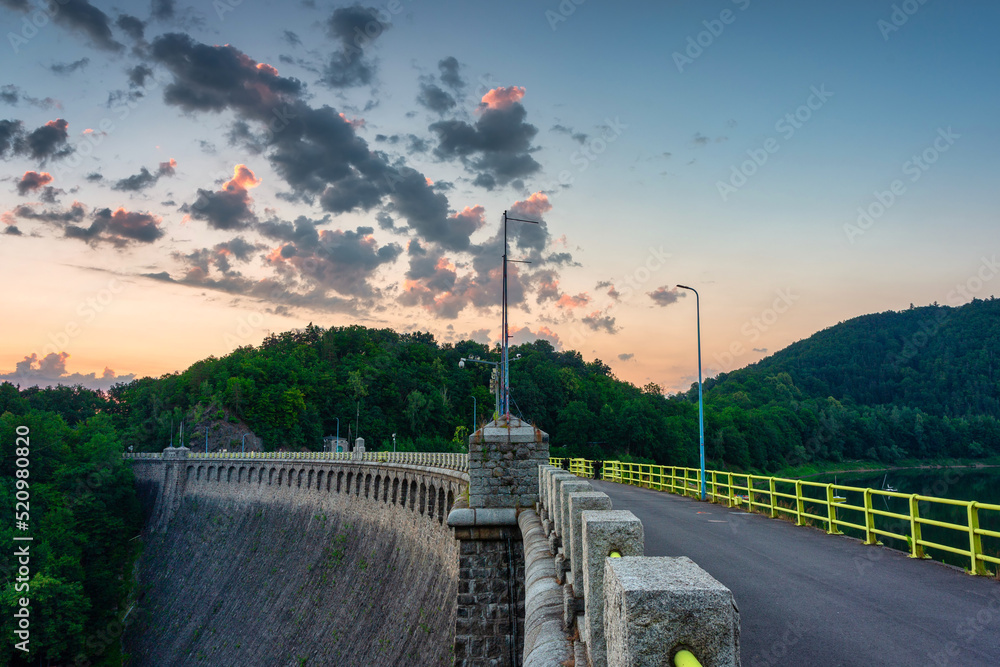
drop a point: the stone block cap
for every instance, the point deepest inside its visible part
(509, 428)
(174, 453)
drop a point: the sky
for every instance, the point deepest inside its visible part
(180, 179)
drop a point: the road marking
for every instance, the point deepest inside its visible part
(717, 521)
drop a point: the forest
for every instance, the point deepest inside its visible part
(923, 383)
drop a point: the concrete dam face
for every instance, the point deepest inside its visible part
(318, 563)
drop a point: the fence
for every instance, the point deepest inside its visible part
(437, 459)
(827, 504)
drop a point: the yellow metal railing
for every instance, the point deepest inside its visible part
(805, 501)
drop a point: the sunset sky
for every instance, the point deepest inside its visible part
(184, 178)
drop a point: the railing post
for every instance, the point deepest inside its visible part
(715, 488)
(732, 492)
(916, 549)
(831, 512)
(774, 498)
(975, 540)
(870, 536)
(799, 503)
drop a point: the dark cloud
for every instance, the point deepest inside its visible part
(449, 73)
(435, 99)
(762, 350)
(77, 16)
(11, 135)
(119, 228)
(599, 321)
(162, 10)
(13, 95)
(131, 26)
(497, 147)
(48, 141)
(213, 78)
(94, 177)
(33, 180)
(137, 76)
(344, 261)
(51, 370)
(626, 356)
(316, 151)
(69, 68)
(356, 28)
(75, 213)
(291, 38)
(145, 178)
(229, 207)
(664, 295)
(12, 230)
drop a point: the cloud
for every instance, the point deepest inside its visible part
(571, 302)
(77, 16)
(344, 261)
(762, 350)
(600, 321)
(229, 207)
(131, 26)
(75, 213)
(69, 68)
(449, 73)
(145, 178)
(119, 228)
(481, 336)
(579, 137)
(356, 28)
(626, 356)
(497, 147)
(664, 295)
(612, 292)
(47, 141)
(503, 97)
(525, 335)
(12, 95)
(435, 98)
(162, 10)
(51, 370)
(33, 180)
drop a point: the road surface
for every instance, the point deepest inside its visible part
(810, 599)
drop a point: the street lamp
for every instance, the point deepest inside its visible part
(338, 433)
(243, 444)
(701, 410)
(393, 443)
(505, 374)
(498, 368)
(474, 422)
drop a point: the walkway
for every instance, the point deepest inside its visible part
(808, 599)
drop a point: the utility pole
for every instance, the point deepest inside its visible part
(504, 324)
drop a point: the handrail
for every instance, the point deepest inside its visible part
(763, 493)
(438, 459)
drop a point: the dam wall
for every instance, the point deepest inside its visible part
(294, 563)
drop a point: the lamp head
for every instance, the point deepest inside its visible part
(461, 363)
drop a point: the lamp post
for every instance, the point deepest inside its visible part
(243, 444)
(474, 422)
(498, 367)
(505, 373)
(393, 443)
(338, 433)
(701, 410)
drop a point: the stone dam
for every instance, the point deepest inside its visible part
(279, 563)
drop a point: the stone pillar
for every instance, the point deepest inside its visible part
(359, 450)
(503, 479)
(657, 606)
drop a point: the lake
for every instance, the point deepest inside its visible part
(980, 484)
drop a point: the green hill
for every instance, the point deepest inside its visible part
(920, 383)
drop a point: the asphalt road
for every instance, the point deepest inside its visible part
(811, 599)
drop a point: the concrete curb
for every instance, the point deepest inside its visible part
(545, 643)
